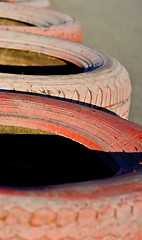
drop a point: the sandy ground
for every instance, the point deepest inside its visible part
(114, 26)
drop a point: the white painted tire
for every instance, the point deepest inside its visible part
(104, 82)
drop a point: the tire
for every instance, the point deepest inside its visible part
(34, 3)
(40, 21)
(89, 210)
(99, 79)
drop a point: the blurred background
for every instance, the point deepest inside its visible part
(114, 26)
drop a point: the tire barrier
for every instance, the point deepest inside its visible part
(63, 69)
(39, 21)
(100, 199)
(34, 3)
(87, 210)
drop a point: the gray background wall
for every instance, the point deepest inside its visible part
(114, 26)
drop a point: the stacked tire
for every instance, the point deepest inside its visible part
(35, 3)
(41, 21)
(52, 83)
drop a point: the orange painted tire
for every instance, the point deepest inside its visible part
(40, 21)
(34, 3)
(97, 78)
(87, 210)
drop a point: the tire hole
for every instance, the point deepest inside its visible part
(42, 160)
(12, 22)
(33, 63)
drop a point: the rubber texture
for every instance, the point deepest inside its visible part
(81, 211)
(34, 3)
(104, 81)
(45, 22)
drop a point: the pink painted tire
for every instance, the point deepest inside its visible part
(97, 79)
(34, 3)
(98, 209)
(40, 21)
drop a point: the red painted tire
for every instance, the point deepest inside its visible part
(34, 3)
(104, 209)
(44, 22)
(102, 80)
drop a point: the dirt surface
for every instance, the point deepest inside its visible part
(115, 27)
